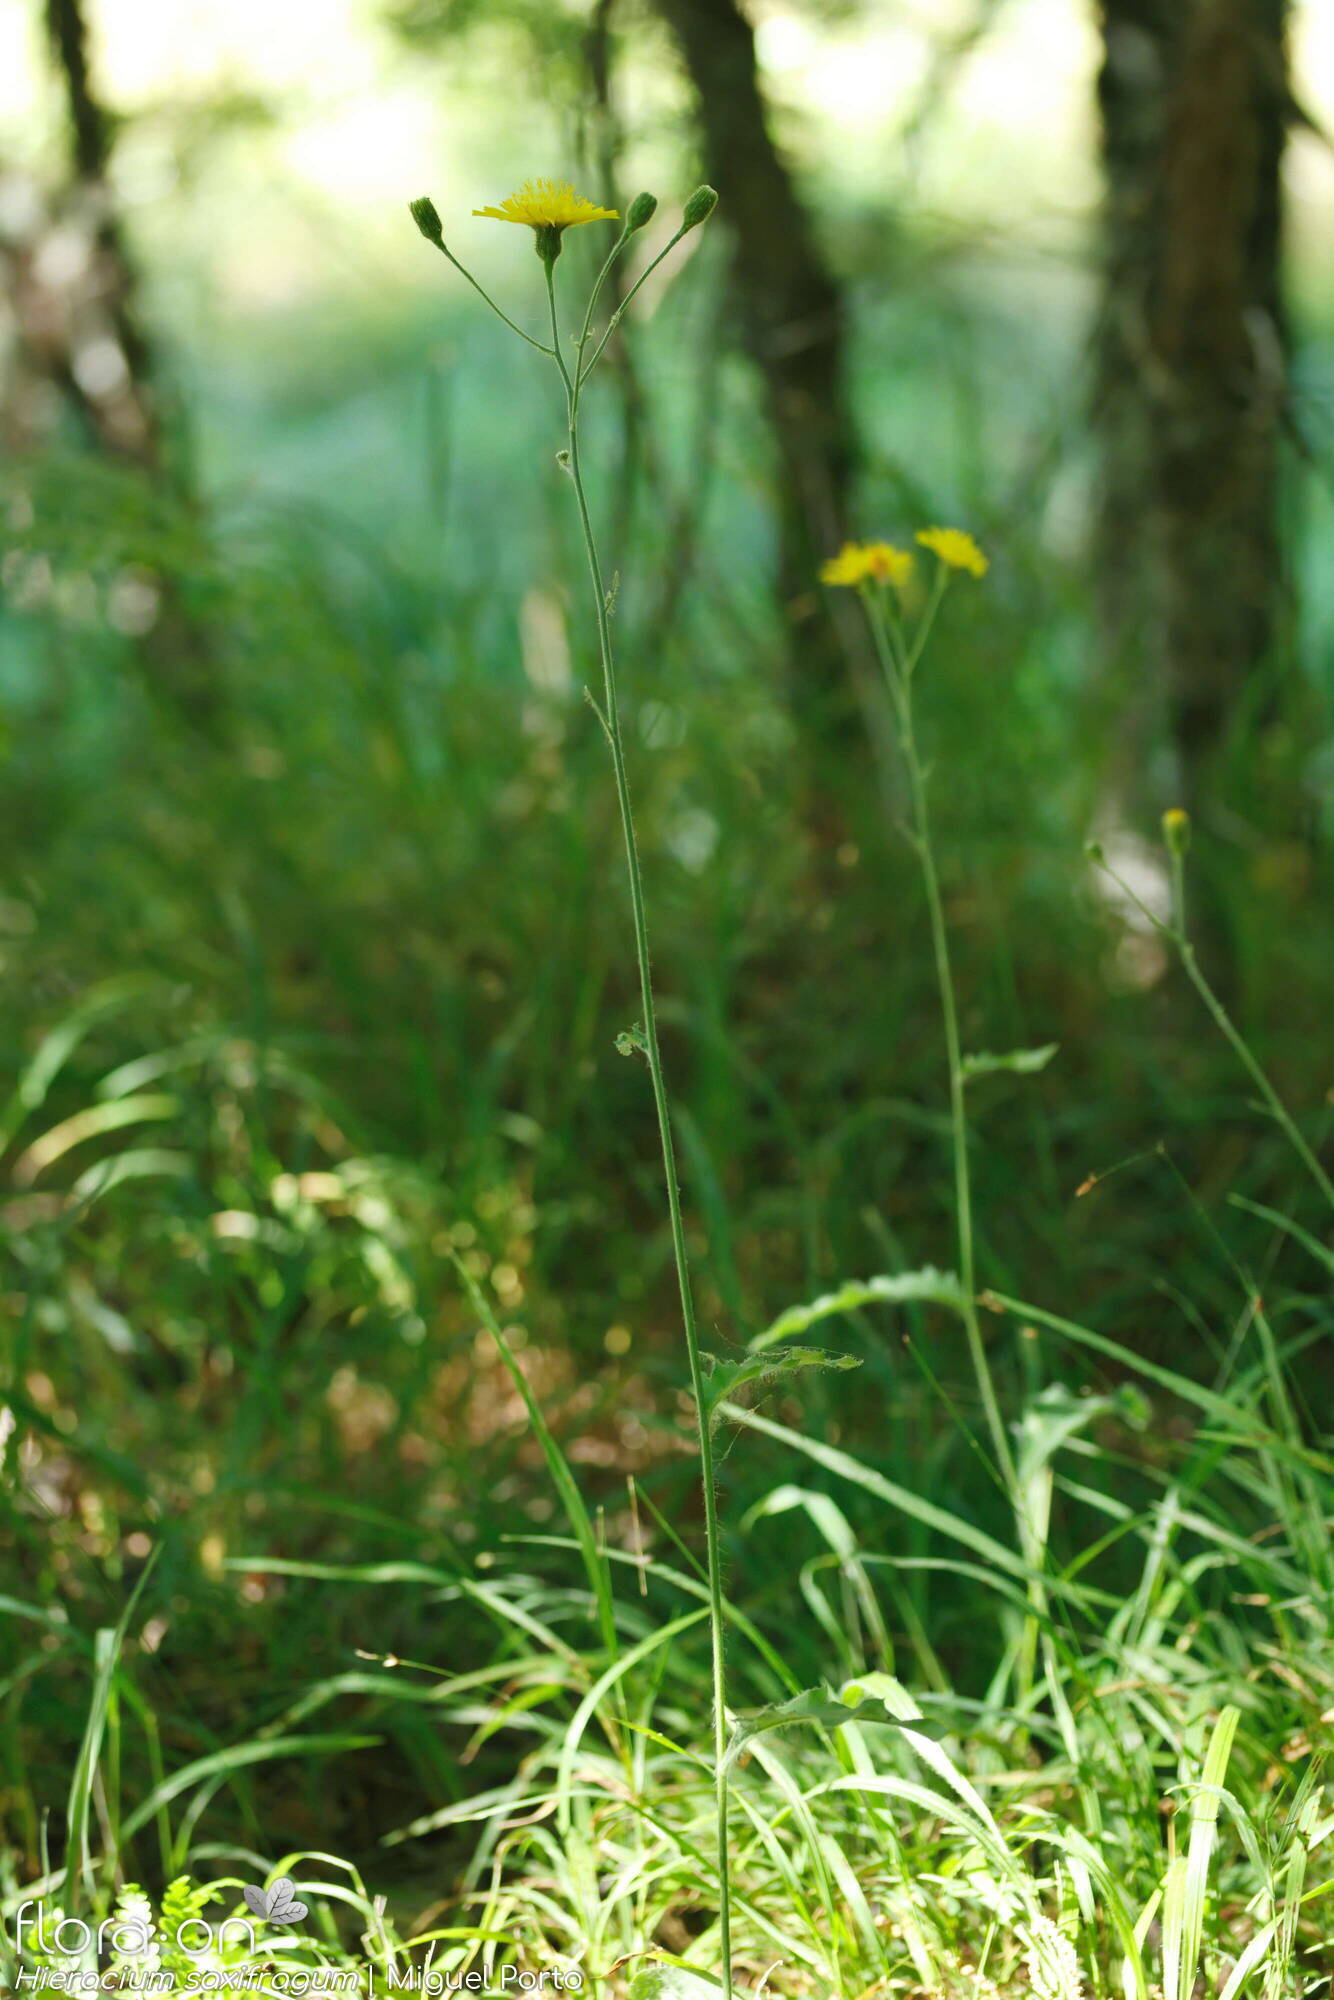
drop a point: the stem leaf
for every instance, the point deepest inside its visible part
(724, 1377)
(927, 1285)
(1020, 1062)
(668, 1979)
(817, 1705)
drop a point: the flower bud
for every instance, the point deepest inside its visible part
(1176, 830)
(699, 208)
(640, 212)
(1093, 850)
(423, 213)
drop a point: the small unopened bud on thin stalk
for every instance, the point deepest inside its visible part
(699, 208)
(427, 218)
(1176, 829)
(1176, 833)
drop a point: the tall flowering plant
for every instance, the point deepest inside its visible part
(549, 208)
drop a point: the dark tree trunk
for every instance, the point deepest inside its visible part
(792, 318)
(1191, 361)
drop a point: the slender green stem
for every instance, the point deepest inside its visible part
(1177, 936)
(585, 369)
(612, 725)
(1228, 1028)
(913, 653)
(464, 272)
(598, 283)
(897, 663)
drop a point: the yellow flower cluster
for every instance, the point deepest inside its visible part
(880, 562)
(548, 205)
(869, 562)
(956, 549)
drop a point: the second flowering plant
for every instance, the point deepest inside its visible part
(901, 618)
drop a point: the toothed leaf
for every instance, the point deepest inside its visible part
(726, 1376)
(929, 1285)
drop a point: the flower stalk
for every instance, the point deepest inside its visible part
(549, 208)
(1176, 837)
(899, 655)
(880, 573)
(610, 718)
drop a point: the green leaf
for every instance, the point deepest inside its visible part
(1056, 1414)
(112, 996)
(632, 1041)
(843, 1466)
(139, 1163)
(1318, 1250)
(221, 1764)
(670, 1980)
(1020, 1062)
(725, 1376)
(107, 1644)
(816, 1705)
(576, 1510)
(929, 1285)
(91, 1123)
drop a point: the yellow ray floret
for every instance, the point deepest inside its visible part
(548, 205)
(867, 562)
(956, 549)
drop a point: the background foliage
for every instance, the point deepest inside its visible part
(314, 940)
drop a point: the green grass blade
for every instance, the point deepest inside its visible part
(596, 1570)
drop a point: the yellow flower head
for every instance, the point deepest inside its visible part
(956, 549)
(848, 567)
(548, 205)
(867, 562)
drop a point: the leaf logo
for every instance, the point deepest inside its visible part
(277, 1904)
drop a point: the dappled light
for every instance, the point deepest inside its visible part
(665, 1161)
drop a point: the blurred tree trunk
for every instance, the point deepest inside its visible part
(106, 366)
(1191, 361)
(792, 317)
(80, 327)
